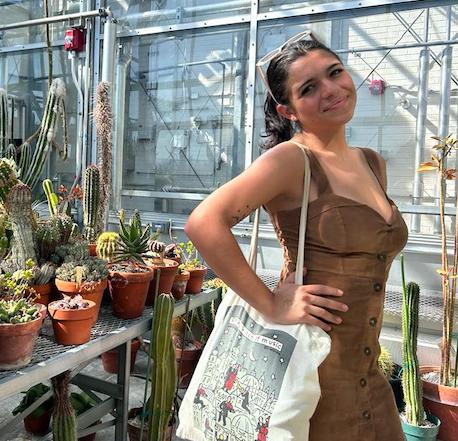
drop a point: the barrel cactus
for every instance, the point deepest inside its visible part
(8, 178)
(91, 202)
(107, 244)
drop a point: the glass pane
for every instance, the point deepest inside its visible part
(386, 119)
(24, 75)
(20, 11)
(140, 14)
(183, 117)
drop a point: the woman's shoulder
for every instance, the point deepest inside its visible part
(372, 154)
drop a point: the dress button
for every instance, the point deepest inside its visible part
(372, 321)
(381, 257)
(363, 382)
(367, 350)
(377, 287)
(366, 415)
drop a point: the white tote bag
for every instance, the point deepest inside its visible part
(256, 380)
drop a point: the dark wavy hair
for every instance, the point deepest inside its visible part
(280, 129)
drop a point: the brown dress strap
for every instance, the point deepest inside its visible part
(376, 166)
(317, 173)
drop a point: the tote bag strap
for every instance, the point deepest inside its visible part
(298, 280)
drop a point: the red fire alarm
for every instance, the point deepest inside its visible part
(74, 39)
(377, 87)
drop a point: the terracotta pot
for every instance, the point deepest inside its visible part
(196, 279)
(134, 431)
(186, 362)
(167, 276)
(88, 290)
(128, 293)
(91, 248)
(72, 326)
(18, 340)
(110, 358)
(44, 293)
(179, 284)
(38, 425)
(442, 402)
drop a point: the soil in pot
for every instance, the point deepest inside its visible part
(179, 284)
(196, 279)
(110, 358)
(187, 359)
(128, 291)
(18, 340)
(72, 326)
(167, 275)
(441, 401)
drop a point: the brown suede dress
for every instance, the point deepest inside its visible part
(349, 246)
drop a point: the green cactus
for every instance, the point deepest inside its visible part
(11, 152)
(44, 273)
(8, 178)
(18, 205)
(63, 418)
(91, 202)
(53, 199)
(385, 362)
(107, 244)
(53, 108)
(411, 381)
(3, 122)
(66, 227)
(47, 238)
(163, 373)
(25, 156)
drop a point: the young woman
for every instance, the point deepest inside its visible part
(354, 231)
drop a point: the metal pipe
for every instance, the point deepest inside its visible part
(109, 48)
(79, 121)
(420, 129)
(55, 19)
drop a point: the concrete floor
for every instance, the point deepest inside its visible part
(94, 369)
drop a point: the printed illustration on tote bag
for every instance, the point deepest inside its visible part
(242, 380)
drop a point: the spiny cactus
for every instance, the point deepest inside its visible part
(25, 156)
(385, 362)
(66, 227)
(53, 199)
(91, 202)
(107, 244)
(8, 178)
(63, 418)
(54, 107)
(11, 152)
(411, 381)
(3, 122)
(103, 117)
(44, 273)
(18, 205)
(47, 238)
(163, 373)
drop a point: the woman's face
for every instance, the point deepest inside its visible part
(321, 92)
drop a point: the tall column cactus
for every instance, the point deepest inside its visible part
(63, 418)
(103, 117)
(54, 108)
(91, 202)
(163, 373)
(52, 198)
(3, 122)
(411, 381)
(19, 207)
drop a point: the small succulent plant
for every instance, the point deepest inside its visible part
(17, 311)
(90, 269)
(75, 302)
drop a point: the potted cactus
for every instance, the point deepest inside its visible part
(85, 276)
(154, 418)
(179, 283)
(72, 319)
(107, 245)
(440, 383)
(415, 423)
(164, 270)
(20, 320)
(91, 205)
(191, 262)
(129, 276)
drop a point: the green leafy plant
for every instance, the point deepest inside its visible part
(448, 272)
(30, 396)
(189, 256)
